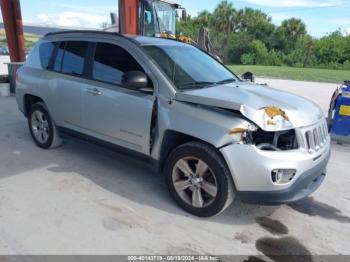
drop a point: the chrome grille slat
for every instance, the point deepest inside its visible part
(322, 136)
(316, 136)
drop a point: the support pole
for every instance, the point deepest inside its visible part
(129, 17)
(11, 14)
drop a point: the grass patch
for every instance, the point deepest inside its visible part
(29, 39)
(294, 73)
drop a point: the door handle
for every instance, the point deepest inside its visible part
(94, 91)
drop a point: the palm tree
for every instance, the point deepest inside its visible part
(250, 19)
(224, 18)
(294, 29)
(223, 22)
(203, 18)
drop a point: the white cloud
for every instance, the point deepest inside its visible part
(92, 9)
(296, 3)
(72, 19)
(279, 17)
(347, 31)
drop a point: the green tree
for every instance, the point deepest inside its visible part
(258, 54)
(224, 18)
(287, 35)
(248, 36)
(222, 23)
(256, 23)
(260, 51)
(331, 49)
(240, 45)
(189, 27)
(203, 18)
(347, 48)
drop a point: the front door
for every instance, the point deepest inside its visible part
(111, 112)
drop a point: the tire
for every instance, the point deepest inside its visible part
(40, 122)
(184, 187)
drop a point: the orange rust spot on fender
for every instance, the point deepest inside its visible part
(273, 111)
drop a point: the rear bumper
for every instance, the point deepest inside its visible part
(305, 185)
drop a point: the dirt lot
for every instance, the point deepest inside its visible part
(82, 199)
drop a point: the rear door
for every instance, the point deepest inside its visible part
(68, 82)
(111, 112)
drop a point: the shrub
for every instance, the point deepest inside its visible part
(248, 59)
(275, 58)
(260, 52)
(346, 65)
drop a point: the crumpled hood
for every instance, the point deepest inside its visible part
(251, 99)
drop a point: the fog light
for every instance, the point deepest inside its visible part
(282, 176)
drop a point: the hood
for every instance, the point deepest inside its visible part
(269, 108)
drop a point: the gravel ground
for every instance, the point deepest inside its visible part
(82, 199)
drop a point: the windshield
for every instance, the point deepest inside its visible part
(188, 68)
(166, 16)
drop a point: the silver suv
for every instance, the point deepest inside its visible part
(213, 136)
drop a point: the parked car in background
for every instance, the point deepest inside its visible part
(4, 51)
(213, 136)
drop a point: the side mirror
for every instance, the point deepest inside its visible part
(135, 80)
(248, 76)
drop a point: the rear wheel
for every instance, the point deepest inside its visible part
(42, 128)
(199, 180)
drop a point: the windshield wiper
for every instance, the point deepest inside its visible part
(229, 80)
(201, 84)
(196, 84)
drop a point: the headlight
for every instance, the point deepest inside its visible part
(266, 140)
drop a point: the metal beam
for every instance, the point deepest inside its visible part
(129, 17)
(11, 14)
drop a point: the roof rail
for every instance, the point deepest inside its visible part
(82, 31)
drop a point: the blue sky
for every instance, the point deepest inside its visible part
(320, 16)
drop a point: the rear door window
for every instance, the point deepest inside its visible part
(45, 53)
(74, 57)
(111, 62)
(59, 57)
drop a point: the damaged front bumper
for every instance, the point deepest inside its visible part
(251, 171)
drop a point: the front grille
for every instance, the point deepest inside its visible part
(316, 136)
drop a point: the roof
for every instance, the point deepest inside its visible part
(142, 40)
(145, 40)
(81, 32)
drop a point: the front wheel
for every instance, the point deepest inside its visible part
(199, 180)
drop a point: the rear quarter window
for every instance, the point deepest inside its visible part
(45, 53)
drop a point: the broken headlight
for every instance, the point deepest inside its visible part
(267, 140)
(275, 141)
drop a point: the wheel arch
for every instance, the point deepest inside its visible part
(28, 101)
(171, 140)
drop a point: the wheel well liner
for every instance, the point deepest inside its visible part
(171, 140)
(28, 101)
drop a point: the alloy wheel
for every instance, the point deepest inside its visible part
(194, 182)
(40, 126)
